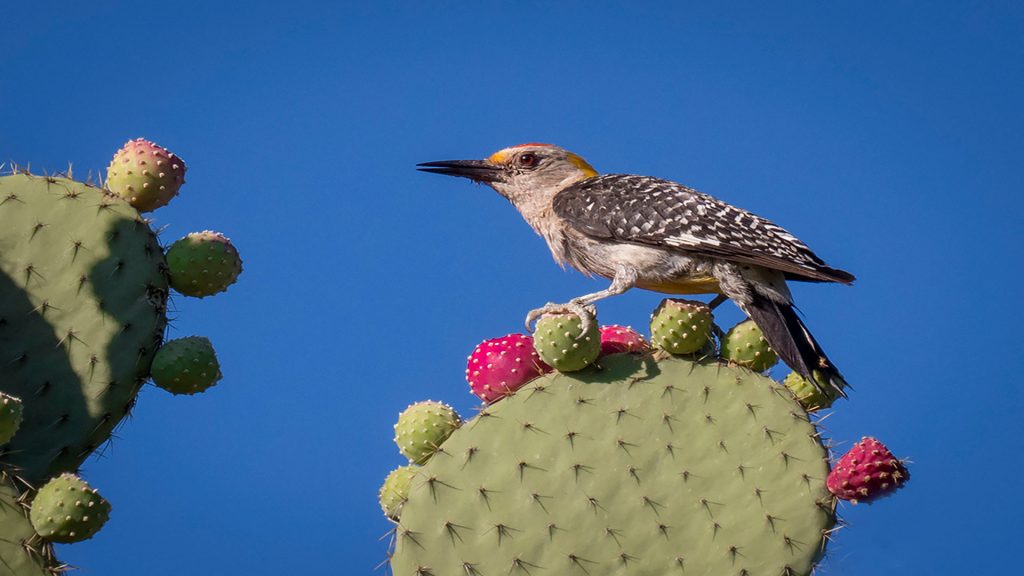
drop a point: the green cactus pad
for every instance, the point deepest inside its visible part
(395, 490)
(82, 310)
(561, 343)
(67, 510)
(22, 551)
(11, 413)
(186, 365)
(809, 396)
(681, 326)
(147, 176)
(423, 427)
(640, 468)
(745, 345)
(203, 263)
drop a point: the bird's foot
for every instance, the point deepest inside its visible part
(586, 314)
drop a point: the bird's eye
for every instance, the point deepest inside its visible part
(527, 160)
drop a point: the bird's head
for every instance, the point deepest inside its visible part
(520, 172)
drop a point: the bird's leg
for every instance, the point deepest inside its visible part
(582, 306)
(717, 301)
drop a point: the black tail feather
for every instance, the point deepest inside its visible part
(793, 342)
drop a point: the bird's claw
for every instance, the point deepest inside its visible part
(586, 314)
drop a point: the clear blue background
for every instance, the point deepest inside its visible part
(887, 135)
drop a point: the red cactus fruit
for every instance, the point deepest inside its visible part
(617, 339)
(867, 472)
(500, 366)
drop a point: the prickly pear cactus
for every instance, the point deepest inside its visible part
(642, 463)
(681, 326)
(186, 365)
(83, 299)
(562, 344)
(66, 509)
(810, 397)
(641, 466)
(22, 551)
(395, 490)
(203, 264)
(423, 427)
(745, 345)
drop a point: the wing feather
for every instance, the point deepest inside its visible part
(650, 211)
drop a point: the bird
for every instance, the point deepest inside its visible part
(654, 234)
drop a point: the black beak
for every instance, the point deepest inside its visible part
(477, 170)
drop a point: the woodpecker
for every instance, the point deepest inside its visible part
(645, 232)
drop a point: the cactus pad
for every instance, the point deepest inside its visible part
(146, 175)
(11, 413)
(22, 551)
(561, 343)
(745, 345)
(395, 490)
(186, 365)
(82, 310)
(641, 467)
(422, 427)
(66, 510)
(203, 264)
(681, 326)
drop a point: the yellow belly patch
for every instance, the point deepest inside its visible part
(697, 285)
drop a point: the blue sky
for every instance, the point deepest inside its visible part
(888, 136)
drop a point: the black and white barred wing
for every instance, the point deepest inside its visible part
(645, 210)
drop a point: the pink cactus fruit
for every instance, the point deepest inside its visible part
(867, 472)
(618, 339)
(145, 174)
(500, 366)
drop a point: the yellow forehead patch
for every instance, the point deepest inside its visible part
(582, 164)
(498, 157)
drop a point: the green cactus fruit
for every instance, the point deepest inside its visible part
(146, 175)
(395, 490)
(645, 467)
(22, 551)
(423, 427)
(681, 326)
(10, 417)
(186, 365)
(83, 295)
(203, 263)
(67, 510)
(561, 343)
(745, 345)
(809, 396)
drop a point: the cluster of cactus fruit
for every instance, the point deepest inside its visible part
(600, 453)
(84, 285)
